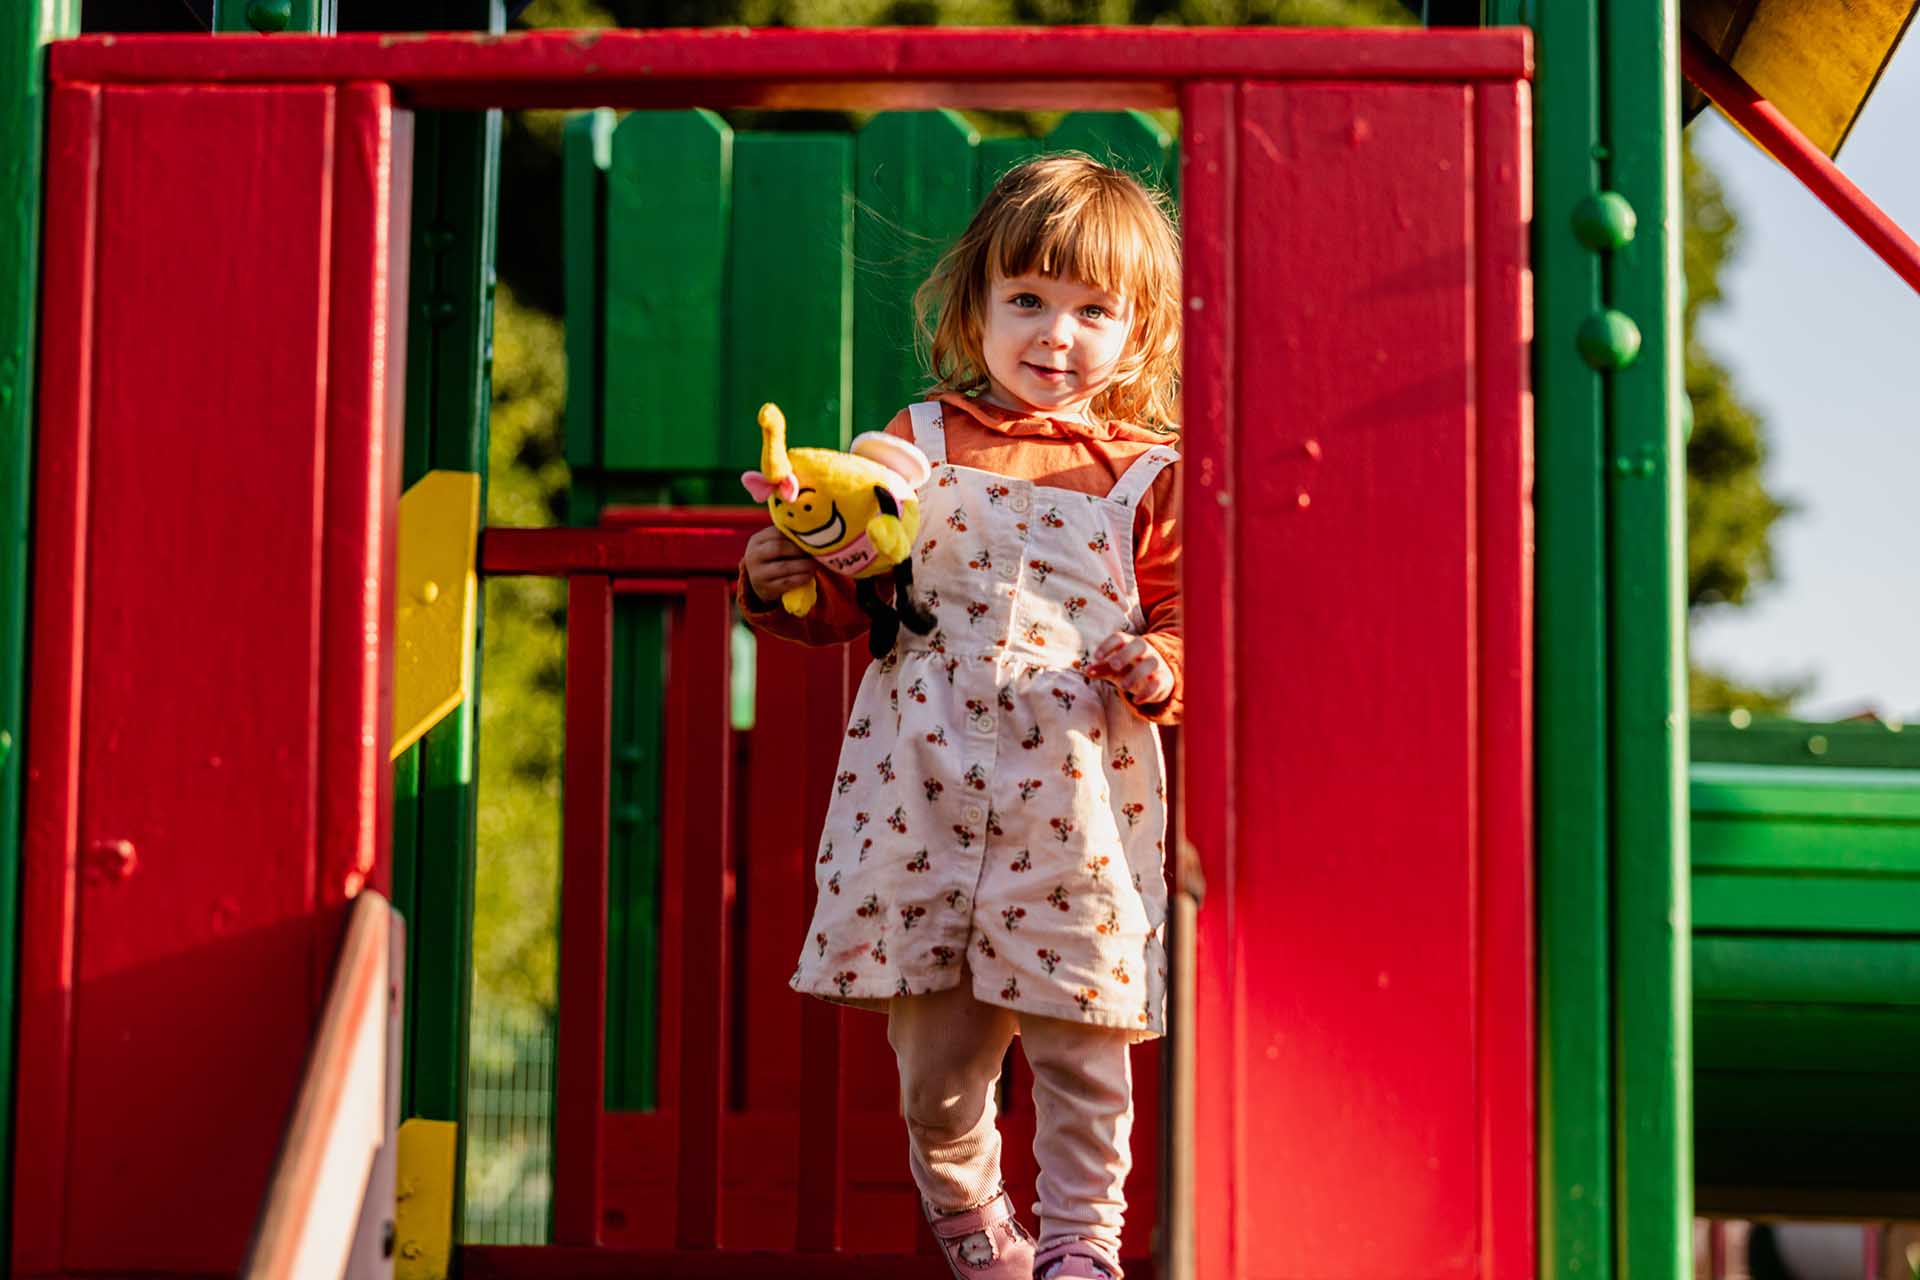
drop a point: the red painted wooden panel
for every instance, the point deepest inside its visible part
(1364, 980)
(580, 1069)
(54, 690)
(874, 69)
(200, 754)
(1503, 149)
(1209, 120)
(1355, 712)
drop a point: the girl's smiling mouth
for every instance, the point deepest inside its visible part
(822, 536)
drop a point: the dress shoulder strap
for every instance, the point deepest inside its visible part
(930, 429)
(1139, 477)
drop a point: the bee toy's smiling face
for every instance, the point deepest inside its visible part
(820, 521)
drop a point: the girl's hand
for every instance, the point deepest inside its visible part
(1135, 668)
(774, 565)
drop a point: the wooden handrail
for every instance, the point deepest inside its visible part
(329, 1207)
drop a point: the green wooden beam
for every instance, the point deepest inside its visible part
(25, 30)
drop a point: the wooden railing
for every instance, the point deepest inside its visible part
(329, 1208)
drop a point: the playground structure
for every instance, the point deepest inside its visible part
(1385, 1092)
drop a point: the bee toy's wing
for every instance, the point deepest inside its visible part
(900, 456)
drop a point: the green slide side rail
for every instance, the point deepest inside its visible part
(25, 30)
(677, 229)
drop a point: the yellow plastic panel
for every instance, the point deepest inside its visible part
(423, 1200)
(1816, 60)
(434, 601)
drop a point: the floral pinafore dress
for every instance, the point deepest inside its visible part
(992, 803)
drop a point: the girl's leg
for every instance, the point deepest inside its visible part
(950, 1047)
(1083, 1126)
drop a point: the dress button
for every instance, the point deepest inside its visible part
(1019, 502)
(973, 813)
(1010, 569)
(987, 723)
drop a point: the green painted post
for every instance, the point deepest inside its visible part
(1647, 550)
(634, 855)
(25, 29)
(1616, 1190)
(1571, 655)
(456, 168)
(270, 17)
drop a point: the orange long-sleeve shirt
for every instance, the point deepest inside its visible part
(1082, 457)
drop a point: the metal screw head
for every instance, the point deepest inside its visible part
(1605, 221)
(269, 16)
(1609, 340)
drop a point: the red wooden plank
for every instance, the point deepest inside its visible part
(701, 828)
(711, 547)
(1355, 710)
(1202, 862)
(50, 836)
(362, 468)
(580, 1072)
(199, 750)
(872, 69)
(775, 851)
(1504, 295)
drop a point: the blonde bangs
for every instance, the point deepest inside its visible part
(1065, 215)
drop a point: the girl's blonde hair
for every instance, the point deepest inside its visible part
(1064, 215)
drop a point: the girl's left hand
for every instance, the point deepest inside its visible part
(1135, 668)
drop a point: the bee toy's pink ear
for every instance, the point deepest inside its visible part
(902, 457)
(760, 489)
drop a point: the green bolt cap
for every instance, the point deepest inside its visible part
(1605, 221)
(1608, 340)
(1686, 417)
(269, 15)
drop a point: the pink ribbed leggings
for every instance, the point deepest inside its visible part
(950, 1047)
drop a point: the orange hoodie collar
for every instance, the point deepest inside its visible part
(1010, 422)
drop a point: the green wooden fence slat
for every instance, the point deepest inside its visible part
(587, 154)
(1846, 971)
(1775, 845)
(668, 220)
(1806, 904)
(917, 186)
(791, 294)
(1128, 140)
(25, 29)
(1805, 1037)
(997, 155)
(634, 856)
(1835, 795)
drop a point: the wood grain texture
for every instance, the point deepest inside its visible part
(50, 837)
(200, 754)
(871, 69)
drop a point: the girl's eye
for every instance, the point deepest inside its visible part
(1094, 312)
(1025, 300)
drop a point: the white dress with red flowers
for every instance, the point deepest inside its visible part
(992, 801)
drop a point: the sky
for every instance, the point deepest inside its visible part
(1824, 341)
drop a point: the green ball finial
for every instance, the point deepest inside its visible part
(1605, 221)
(269, 16)
(1609, 341)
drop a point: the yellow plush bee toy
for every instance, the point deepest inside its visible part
(856, 513)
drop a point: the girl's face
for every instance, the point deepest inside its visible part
(1052, 345)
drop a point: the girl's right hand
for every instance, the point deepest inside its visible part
(774, 565)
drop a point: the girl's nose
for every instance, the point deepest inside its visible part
(1058, 331)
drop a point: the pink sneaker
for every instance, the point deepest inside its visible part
(1074, 1260)
(987, 1243)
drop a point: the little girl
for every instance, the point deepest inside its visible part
(992, 858)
